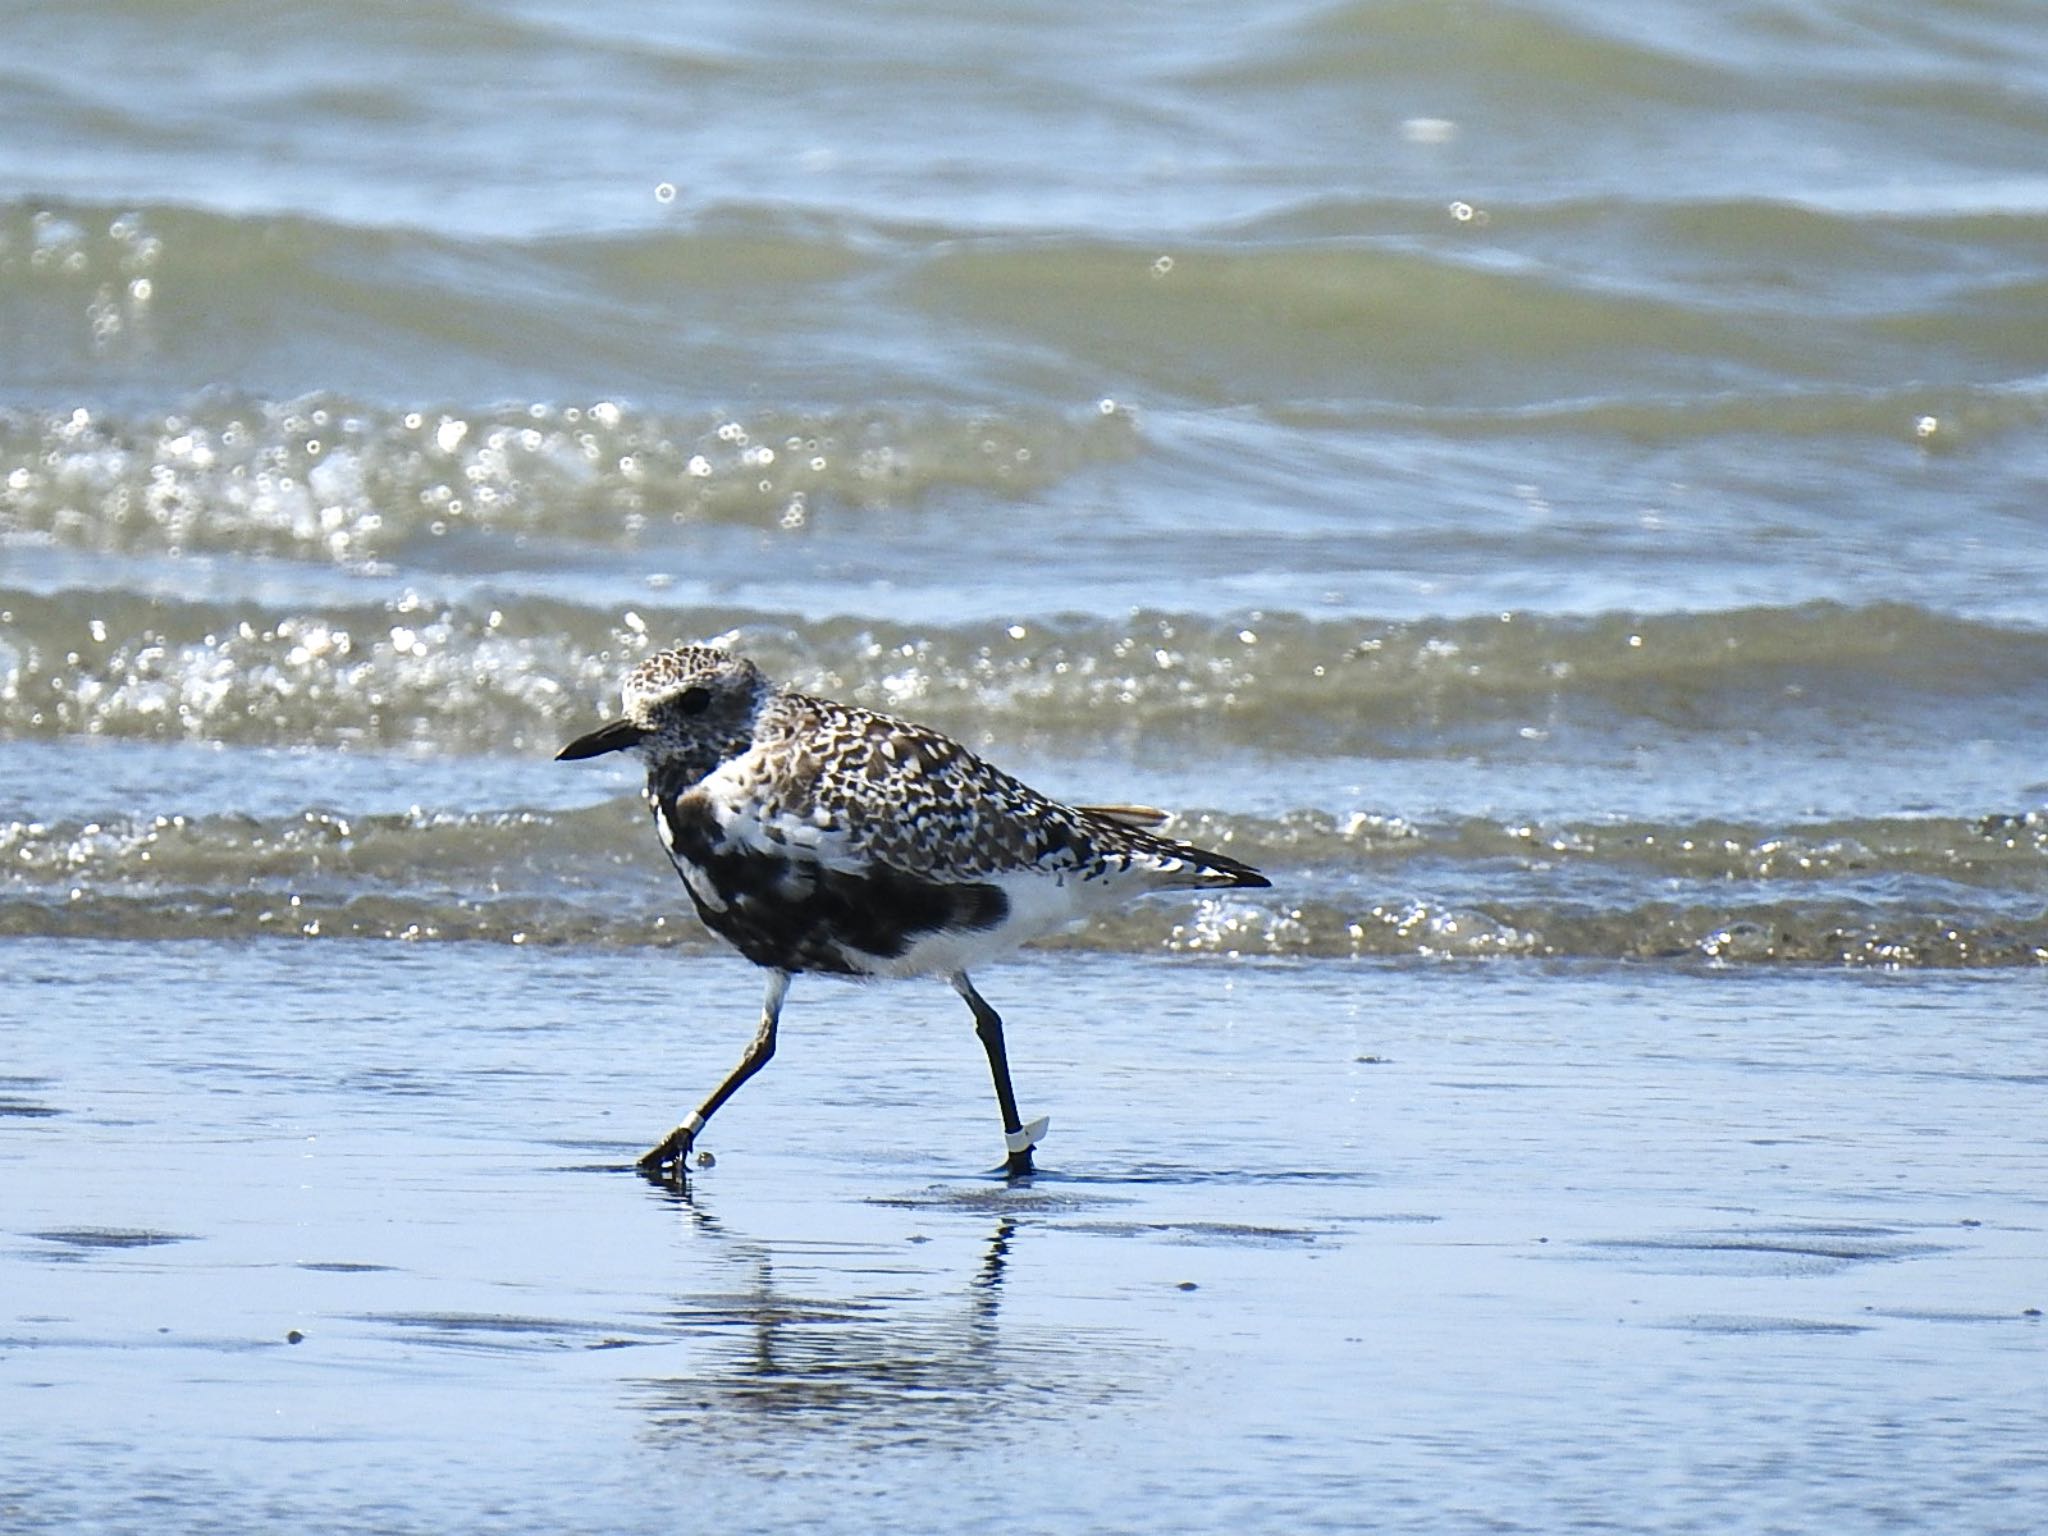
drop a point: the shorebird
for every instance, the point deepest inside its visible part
(815, 836)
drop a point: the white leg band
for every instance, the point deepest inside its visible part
(694, 1124)
(1029, 1137)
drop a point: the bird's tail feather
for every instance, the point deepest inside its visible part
(1216, 871)
(1143, 817)
(1178, 865)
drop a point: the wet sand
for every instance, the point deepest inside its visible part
(341, 1237)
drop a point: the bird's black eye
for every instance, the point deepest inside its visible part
(692, 701)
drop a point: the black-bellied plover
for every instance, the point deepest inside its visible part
(815, 836)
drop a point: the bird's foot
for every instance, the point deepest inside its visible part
(673, 1153)
(1020, 1142)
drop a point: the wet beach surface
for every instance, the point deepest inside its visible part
(353, 1244)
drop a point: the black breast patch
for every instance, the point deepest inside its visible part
(784, 909)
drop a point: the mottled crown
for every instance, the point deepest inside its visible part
(666, 675)
(697, 705)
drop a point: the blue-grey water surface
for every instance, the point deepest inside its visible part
(1560, 486)
(1358, 1246)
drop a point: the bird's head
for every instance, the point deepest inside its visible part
(687, 710)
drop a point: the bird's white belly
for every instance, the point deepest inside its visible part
(1039, 905)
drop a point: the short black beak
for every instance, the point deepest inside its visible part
(616, 737)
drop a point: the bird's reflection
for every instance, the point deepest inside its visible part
(885, 1340)
(674, 1188)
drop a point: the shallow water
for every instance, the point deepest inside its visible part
(1461, 468)
(1316, 1246)
(1557, 486)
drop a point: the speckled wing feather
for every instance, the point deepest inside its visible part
(883, 790)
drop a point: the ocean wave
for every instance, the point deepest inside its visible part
(1465, 323)
(329, 479)
(2005, 851)
(1934, 418)
(1647, 61)
(1899, 893)
(1524, 49)
(499, 675)
(1337, 302)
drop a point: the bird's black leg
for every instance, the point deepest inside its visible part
(675, 1147)
(988, 1025)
